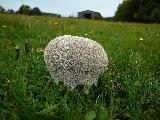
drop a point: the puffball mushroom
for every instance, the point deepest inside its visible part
(75, 60)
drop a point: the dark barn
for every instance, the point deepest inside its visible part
(89, 15)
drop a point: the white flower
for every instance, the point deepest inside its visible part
(141, 39)
(86, 34)
(17, 47)
(75, 60)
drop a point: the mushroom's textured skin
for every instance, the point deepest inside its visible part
(75, 60)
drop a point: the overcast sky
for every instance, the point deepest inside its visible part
(107, 8)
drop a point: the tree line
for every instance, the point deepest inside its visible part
(138, 11)
(27, 10)
(130, 11)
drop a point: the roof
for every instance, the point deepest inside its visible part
(88, 11)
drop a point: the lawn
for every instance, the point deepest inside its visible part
(129, 89)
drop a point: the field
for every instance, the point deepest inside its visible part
(129, 89)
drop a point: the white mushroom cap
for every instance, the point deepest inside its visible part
(75, 60)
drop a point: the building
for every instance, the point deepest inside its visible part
(89, 15)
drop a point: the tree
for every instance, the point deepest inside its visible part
(24, 9)
(155, 15)
(121, 13)
(138, 10)
(35, 11)
(10, 11)
(127, 11)
(2, 10)
(133, 8)
(148, 10)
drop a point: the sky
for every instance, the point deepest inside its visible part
(107, 8)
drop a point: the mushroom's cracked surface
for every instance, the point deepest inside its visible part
(75, 60)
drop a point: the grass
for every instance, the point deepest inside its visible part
(129, 89)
